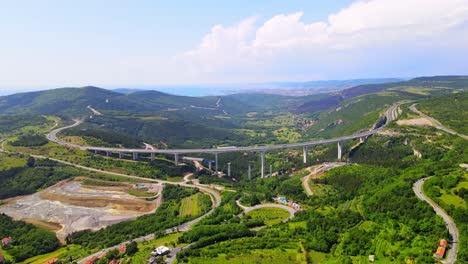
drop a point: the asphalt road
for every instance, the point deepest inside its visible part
(451, 226)
(436, 122)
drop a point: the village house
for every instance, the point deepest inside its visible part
(440, 252)
(161, 251)
(123, 249)
(2, 258)
(6, 241)
(52, 261)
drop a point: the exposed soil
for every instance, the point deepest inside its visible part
(69, 206)
(54, 227)
(415, 122)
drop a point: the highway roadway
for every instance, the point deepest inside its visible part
(451, 226)
(390, 115)
(436, 122)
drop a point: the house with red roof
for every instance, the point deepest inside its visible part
(91, 260)
(123, 249)
(440, 252)
(443, 243)
(52, 261)
(2, 258)
(6, 241)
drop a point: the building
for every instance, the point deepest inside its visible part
(91, 260)
(6, 241)
(443, 243)
(440, 252)
(161, 251)
(123, 249)
(52, 261)
(2, 258)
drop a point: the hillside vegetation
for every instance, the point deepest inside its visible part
(450, 110)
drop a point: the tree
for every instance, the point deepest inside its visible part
(132, 248)
(31, 161)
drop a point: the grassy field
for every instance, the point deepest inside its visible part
(74, 251)
(7, 163)
(5, 254)
(192, 205)
(270, 256)
(145, 248)
(271, 215)
(320, 189)
(450, 198)
(316, 257)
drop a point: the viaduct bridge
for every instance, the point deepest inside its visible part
(389, 116)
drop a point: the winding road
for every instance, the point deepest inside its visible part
(247, 209)
(436, 122)
(451, 226)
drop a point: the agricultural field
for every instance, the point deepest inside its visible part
(9, 161)
(287, 253)
(270, 216)
(67, 253)
(194, 205)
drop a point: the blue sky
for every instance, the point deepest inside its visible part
(45, 44)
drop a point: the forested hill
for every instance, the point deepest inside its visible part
(72, 102)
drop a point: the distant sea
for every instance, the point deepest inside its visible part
(192, 91)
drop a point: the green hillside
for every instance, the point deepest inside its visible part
(451, 110)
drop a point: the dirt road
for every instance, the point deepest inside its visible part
(316, 171)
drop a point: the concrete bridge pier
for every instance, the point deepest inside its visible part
(262, 161)
(271, 171)
(229, 169)
(216, 163)
(176, 159)
(340, 150)
(250, 172)
(108, 153)
(95, 151)
(152, 156)
(121, 155)
(135, 155)
(305, 153)
(209, 165)
(362, 140)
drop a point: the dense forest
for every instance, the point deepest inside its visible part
(28, 240)
(31, 175)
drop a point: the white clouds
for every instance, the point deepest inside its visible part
(365, 25)
(223, 45)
